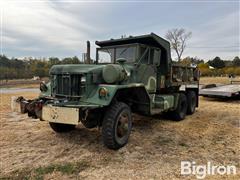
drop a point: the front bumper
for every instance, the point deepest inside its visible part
(63, 115)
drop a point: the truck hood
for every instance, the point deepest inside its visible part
(75, 68)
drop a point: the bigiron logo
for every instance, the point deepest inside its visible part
(201, 171)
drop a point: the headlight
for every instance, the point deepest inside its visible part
(103, 92)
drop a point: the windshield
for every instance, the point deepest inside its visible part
(110, 55)
(106, 56)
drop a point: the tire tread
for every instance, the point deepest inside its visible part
(108, 125)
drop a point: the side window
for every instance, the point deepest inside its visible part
(143, 55)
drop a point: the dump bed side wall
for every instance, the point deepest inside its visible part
(183, 75)
(184, 79)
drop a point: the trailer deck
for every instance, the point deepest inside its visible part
(229, 90)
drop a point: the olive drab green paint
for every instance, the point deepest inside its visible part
(78, 85)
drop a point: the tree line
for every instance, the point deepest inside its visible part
(14, 68)
(27, 68)
(216, 66)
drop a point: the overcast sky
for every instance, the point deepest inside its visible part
(60, 28)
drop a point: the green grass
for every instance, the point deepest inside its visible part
(38, 173)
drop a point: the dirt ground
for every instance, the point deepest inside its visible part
(30, 149)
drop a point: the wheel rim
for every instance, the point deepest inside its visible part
(122, 127)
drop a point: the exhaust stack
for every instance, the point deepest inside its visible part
(88, 60)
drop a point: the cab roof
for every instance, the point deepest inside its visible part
(148, 39)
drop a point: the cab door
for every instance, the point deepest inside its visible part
(147, 69)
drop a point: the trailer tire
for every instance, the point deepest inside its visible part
(61, 128)
(180, 112)
(191, 102)
(115, 129)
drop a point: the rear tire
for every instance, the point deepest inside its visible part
(117, 125)
(61, 128)
(180, 113)
(191, 101)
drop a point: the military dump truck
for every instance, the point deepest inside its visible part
(130, 75)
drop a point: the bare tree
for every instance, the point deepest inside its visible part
(178, 38)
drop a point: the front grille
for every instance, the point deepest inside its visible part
(68, 85)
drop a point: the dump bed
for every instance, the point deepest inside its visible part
(184, 75)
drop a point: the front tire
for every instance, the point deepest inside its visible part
(117, 125)
(61, 128)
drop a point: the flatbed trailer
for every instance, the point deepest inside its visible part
(221, 91)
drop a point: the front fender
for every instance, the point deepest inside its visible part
(94, 98)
